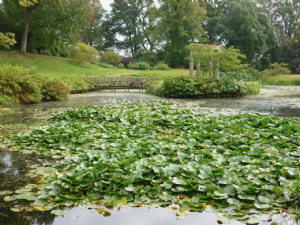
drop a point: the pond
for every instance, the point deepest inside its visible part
(275, 101)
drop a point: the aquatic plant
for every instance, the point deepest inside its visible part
(154, 154)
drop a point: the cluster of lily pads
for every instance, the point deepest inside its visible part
(152, 154)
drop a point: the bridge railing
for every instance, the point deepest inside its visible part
(113, 83)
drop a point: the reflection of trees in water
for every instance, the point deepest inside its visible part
(24, 218)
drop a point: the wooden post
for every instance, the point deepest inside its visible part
(198, 69)
(211, 69)
(191, 65)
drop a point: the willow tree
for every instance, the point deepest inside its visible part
(61, 17)
(180, 22)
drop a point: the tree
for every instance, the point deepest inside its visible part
(240, 26)
(92, 35)
(60, 19)
(133, 21)
(180, 22)
(221, 59)
(289, 51)
(81, 52)
(110, 57)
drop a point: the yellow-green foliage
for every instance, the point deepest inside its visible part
(277, 69)
(281, 80)
(79, 84)
(110, 57)
(152, 86)
(19, 83)
(7, 40)
(252, 88)
(81, 52)
(22, 85)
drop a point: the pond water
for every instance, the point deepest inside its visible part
(274, 101)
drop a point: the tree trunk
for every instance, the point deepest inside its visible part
(198, 69)
(191, 65)
(217, 70)
(25, 32)
(211, 75)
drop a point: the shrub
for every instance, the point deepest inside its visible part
(19, 83)
(121, 66)
(105, 65)
(81, 52)
(130, 65)
(153, 87)
(126, 61)
(22, 85)
(281, 80)
(252, 88)
(110, 57)
(135, 67)
(53, 89)
(162, 66)
(143, 65)
(277, 69)
(182, 87)
(79, 84)
(45, 52)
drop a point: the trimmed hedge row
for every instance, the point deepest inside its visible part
(183, 87)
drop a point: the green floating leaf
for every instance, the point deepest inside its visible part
(178, 181)
(224, 219)
(6, 192)
(59, 212)
(10, 198)
(16, 209)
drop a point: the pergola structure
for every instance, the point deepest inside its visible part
(215, 45)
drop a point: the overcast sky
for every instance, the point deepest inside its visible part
(105, 4)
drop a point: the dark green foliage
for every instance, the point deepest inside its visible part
(143, 65)
(126, 61)
(188, 87)
(265, 63)
(241, 26)
(249, 76)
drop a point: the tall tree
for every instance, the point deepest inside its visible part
(241, 26)
(290, 51)
(92, 34)
(132, 21)
(180, 22)
(60, 18)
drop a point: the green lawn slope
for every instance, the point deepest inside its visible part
(57, 67)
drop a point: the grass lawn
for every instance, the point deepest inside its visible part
(57, 67)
